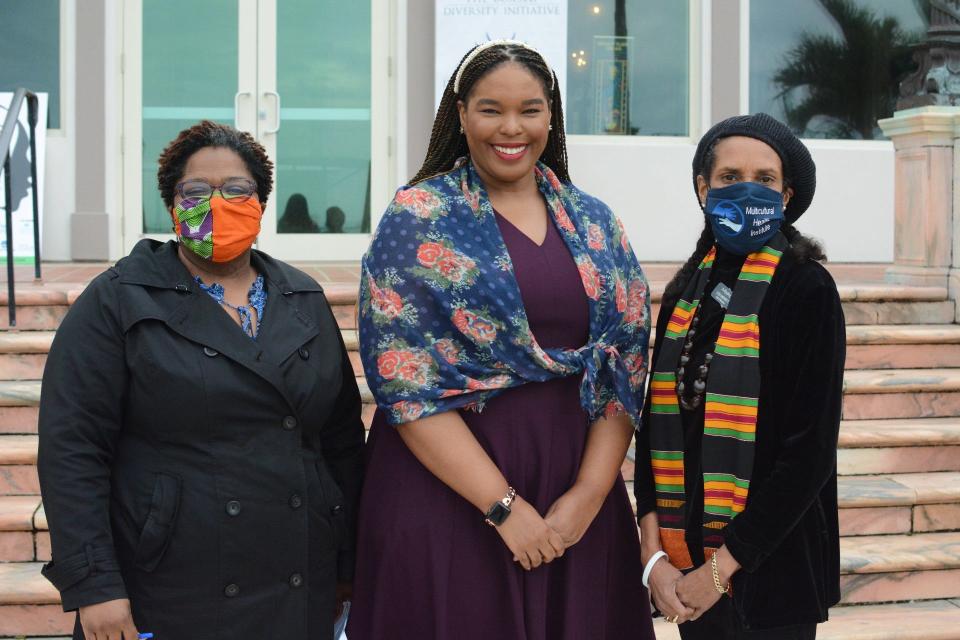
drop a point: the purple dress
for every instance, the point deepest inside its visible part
(429, 568)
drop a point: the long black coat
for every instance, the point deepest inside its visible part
(210, 478)
(787, 538)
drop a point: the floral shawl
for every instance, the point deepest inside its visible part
(441, 322)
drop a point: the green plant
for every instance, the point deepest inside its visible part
(839, 87)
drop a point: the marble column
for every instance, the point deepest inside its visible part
(927, 196)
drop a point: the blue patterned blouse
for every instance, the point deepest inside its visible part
(258, 302)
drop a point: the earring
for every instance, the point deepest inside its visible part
(461, 129)
(551, 128)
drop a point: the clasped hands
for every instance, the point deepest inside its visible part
(680, 597)
(534, 539)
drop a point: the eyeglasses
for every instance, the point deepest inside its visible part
(235, 189)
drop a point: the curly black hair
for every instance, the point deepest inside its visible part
(173, 159)
(447, 143)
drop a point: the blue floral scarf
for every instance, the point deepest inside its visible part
(442, 325)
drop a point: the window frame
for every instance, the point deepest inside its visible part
(698, 83)
(812, 143)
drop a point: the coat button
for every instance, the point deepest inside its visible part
(296, 581)
(211, 352)
(336, 509)
(231, 591)
(233, 508)
(289, 423)
(304, 353)
(296, 501)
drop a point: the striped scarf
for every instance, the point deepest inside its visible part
(730, 411)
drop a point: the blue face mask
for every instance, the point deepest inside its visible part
(744, 216)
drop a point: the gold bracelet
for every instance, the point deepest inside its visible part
(716, 576)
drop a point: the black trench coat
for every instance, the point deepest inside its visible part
(210, 478)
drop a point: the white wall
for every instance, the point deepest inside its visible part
(58, 193)
(113, 132)
(647, 182)
(59, 185)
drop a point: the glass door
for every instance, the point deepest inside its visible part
(299, 76)
(315, 76)
(197, 61)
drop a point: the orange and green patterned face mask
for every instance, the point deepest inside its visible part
(217, 229)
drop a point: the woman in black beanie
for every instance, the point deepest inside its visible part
(736, 479)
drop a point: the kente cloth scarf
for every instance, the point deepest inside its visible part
(730, 411)
(441, 322)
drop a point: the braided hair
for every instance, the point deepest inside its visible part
(173, 159)
(802, 247)
(447, 144)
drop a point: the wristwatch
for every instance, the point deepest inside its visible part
(497, 514)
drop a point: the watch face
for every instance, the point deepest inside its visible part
(498, 513)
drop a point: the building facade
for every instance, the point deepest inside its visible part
(341, 93)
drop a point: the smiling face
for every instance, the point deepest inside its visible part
(743, 159)
(506, 120)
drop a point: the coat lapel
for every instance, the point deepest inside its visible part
(193, 314)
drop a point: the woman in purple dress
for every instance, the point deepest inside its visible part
(493, 283)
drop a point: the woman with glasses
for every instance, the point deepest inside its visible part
(200, 429)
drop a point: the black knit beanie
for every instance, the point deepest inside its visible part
(798, 166)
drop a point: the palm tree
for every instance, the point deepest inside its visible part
(849, 82)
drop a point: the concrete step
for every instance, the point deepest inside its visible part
(867, 304)
(924, 620)
(869, 394)
(899, 446)
(18, 420)
(923, 566)
(903, 346)
(29, 605)
(19, 534)
(869, 505)
(42, 307)
(23, 354)
(899, 503)
(938, 312)
(18, 465)
(875, 569)
(29, 366)
(39, 307)
(868, 347)
(905, 432)
(901, 393)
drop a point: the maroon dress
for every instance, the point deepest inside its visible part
(429, 568)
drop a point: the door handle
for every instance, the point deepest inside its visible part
(236, 107)
(277, 96)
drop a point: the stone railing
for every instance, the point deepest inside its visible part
(927, 197)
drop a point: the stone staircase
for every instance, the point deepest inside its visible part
(899, 462)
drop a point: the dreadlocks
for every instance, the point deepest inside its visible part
(447, 143)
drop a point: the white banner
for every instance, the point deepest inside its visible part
(23, 190)
(461, 24)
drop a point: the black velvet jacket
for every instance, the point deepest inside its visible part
(787, 538)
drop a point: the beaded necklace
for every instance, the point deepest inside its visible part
(700, 384)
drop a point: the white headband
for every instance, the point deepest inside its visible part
(493, 43)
